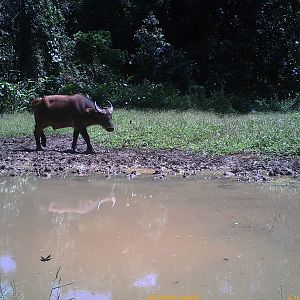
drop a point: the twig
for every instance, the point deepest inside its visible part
(56, 276)
(58, 286)
(63, 285)
(52, 288)
(13, 23)
(58, 290)
(14, 290)
(1, 291)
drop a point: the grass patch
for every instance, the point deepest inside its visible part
(190, 130)
(17, 124)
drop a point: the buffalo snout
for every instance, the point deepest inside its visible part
(110, 129)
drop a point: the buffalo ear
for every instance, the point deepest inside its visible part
(89, 110)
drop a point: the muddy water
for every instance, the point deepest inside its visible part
(139, 239)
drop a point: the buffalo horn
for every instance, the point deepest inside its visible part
(111, 108)
(99, 109)
(104, 110)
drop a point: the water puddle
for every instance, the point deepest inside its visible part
(93, 238)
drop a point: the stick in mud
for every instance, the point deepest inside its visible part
(58, 287)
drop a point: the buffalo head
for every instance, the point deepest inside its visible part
(103, 116)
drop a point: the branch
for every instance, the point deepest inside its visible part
(13, 22)
(63, 285)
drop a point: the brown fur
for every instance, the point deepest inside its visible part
(60, 111)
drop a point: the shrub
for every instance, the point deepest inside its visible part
(18, 96)
(14, 96)
(156, 59)
(94, 47)
(144, 95)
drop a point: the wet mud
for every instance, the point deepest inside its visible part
(19, 158)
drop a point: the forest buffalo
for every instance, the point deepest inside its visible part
(75, 111)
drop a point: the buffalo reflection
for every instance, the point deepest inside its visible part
(79, 207)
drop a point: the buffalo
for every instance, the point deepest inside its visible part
(77, 111)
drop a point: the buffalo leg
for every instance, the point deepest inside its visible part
(75, 137)
(43, 138)
(37, 136)
(86, 138)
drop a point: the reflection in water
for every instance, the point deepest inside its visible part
(148, 280)
(10, 201)
(111, 199)
(226, 288)
(7, 264)
(6, 290)
(17, 185)
(80, 206)
(81, 294)
(123, 239)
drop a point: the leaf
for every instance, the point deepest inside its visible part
(46, 258)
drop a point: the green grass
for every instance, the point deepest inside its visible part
(18, 124)
(190, 130)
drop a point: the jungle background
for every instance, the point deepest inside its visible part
(223, 55)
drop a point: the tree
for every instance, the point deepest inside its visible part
(277, 64)
(9, 68)
(36, 29)
(156, 59)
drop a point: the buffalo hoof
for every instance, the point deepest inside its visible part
(72, 151)
(90, 151)
(39, 149)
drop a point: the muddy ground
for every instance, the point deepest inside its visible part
(18, 158)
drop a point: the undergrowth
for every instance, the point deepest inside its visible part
(196, 131)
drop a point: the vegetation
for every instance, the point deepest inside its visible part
(225, 56)
(8, 291)
(189, 130)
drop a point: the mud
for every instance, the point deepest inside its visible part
(18, 158)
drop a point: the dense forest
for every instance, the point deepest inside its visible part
(222, 55)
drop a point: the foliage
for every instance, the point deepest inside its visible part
(144, 95)
(95, 47)
(278, 46)
(14, 97)
(155, 58)
(153, 51)
(18, 96)
(94, 63)
(214, 55)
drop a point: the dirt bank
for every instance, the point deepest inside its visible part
(18, 158)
